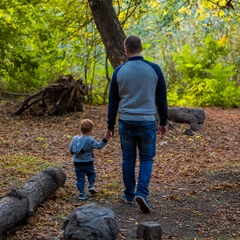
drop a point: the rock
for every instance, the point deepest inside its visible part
(186, 115)
(188, 132)
(195, 127)
(149, 231)
(91, 222)
(163, 143)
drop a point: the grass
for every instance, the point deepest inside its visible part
(14, 170)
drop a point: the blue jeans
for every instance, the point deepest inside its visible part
(81, 172)
(135, 135)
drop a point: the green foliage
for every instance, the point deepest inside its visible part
(221, 90)
(40, 40)
(205, 80)
(21, 56)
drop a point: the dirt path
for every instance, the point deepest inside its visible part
(194, 191)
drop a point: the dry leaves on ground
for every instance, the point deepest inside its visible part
(194, 191)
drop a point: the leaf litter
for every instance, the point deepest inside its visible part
(194, 190)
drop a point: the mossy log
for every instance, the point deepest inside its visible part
(21, 202)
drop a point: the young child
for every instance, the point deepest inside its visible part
(82, 147)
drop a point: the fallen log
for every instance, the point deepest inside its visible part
(23, 201)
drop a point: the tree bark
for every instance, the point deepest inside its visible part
(22, 202)
(110, 30)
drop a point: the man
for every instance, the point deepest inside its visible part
(137, 88)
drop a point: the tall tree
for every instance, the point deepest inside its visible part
(110, 30)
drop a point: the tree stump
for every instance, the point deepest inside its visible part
(149, 231)
(64, 95)
(22, 202)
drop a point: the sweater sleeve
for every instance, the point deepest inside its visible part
(113, 101)
(73, 145)
(161, 98)
(98, 145)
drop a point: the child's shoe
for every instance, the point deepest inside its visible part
(124, 199)
(83, 196)
(92, 190)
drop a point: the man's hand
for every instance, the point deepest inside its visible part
(162, 130)
(109, 133)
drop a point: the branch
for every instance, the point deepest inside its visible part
(14, 94)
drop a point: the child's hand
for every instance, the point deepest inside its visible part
(106, 136)
(109, 133)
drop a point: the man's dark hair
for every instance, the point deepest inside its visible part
(133, 44)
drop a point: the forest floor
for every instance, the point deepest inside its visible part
(194, 190)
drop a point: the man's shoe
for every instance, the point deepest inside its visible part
(124, 199)
(83, 196)
(144, 207)
(92, 190)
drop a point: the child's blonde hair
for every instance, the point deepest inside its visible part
(86, 126)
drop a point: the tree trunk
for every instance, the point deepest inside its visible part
(110, 30)
(22, 202)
